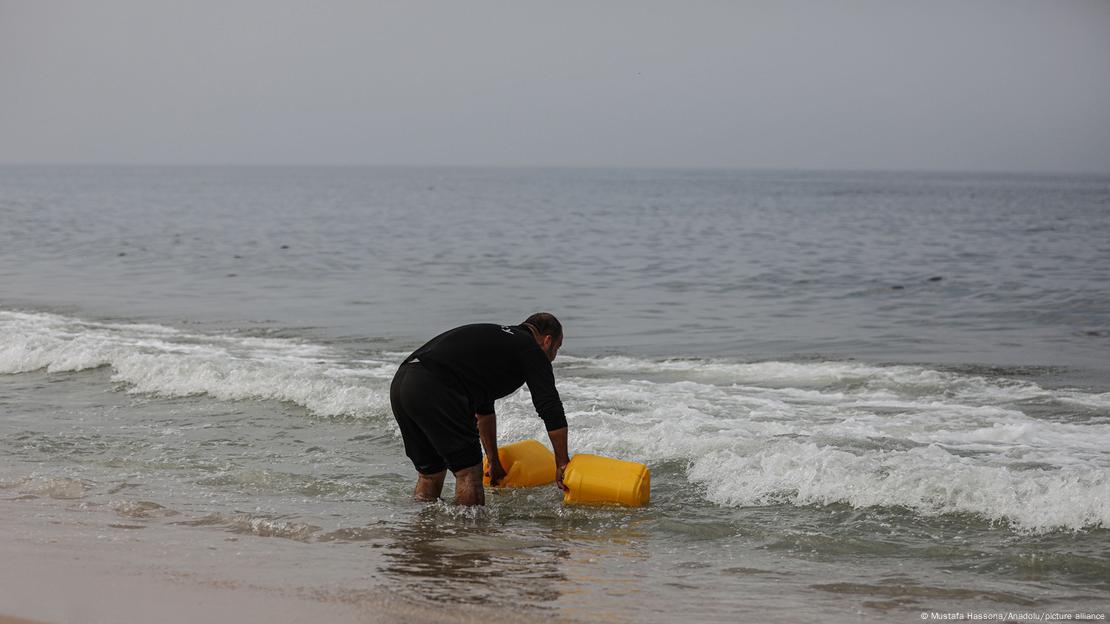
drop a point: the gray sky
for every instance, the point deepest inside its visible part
(935, 85)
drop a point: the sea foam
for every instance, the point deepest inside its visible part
(818, 433)
(167, 362)
(749, 433)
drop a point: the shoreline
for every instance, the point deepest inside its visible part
(62, 580)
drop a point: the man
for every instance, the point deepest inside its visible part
(442, 397)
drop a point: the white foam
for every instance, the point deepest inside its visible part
(928, 480)
(804, 376)
(749, 433)
(842, 432)
(1096, 401)
(167, 362)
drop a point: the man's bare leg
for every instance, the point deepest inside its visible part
(429, 487)
(468, 486)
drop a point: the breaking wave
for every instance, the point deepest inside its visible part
(167, 362)
(749, 433)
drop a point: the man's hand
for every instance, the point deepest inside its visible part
(495, 472)
(560, 468)
(562, 458)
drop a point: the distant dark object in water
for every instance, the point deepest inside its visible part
(237, 256)
(232, 275)
(122, 254)
(285, 246)
(1098, 334)
(935, 278)
(897, 287)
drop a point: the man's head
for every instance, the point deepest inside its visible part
(548, 332)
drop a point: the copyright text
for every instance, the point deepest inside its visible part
(1011, 616)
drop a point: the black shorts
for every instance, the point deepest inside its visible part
(437, 424)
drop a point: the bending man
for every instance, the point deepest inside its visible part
(442, 397)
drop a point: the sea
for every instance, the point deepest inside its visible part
(861, 396)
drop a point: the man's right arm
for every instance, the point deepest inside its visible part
(487, 433)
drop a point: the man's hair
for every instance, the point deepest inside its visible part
(546, 324)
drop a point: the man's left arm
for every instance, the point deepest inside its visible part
(545, 397)
(562, 457)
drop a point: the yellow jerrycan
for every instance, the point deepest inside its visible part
(596, 480)
(528, 463)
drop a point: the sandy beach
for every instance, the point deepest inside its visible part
(60, 580)
(54, 585)
(4, 619)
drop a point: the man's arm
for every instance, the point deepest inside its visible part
(541, 385)
(487, 431)
(559, 445)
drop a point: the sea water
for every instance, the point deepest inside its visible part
(861, 395)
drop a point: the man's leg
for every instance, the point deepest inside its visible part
(407, 385)
(468, 486)
(429, 487)
(438, 428)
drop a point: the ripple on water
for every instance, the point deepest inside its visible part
(62, 488)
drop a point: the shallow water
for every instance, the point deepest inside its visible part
(200, 358)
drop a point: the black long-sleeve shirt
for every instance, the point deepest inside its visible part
(486, 362)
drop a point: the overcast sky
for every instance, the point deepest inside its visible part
(1005, 85)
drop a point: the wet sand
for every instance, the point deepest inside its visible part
(49, 585)
(52, 580)
(11, 620)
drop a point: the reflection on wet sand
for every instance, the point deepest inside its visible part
(580, 564)
(442, 556)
